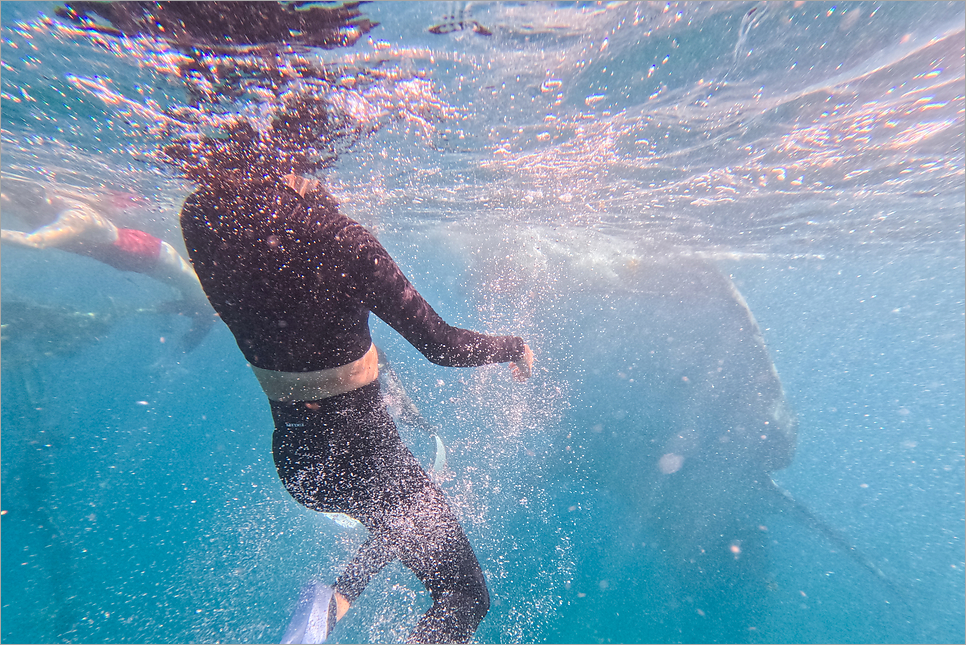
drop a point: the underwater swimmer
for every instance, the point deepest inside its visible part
(295, 279)
(72, 222)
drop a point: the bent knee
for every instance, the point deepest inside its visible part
(483, 603)
(473, 599)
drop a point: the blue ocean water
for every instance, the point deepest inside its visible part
(588, 166)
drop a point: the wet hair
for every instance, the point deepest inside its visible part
(301, 140)
(304, 123)
(206, 159)
(307, 136)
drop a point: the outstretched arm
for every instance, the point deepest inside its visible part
(389, 295)
(75, 224)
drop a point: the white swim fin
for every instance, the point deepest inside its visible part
(314, 615)
(440, 462)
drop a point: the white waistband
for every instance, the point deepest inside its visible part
(320, 384)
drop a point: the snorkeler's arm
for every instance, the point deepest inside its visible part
(389, 295)
(75, 224)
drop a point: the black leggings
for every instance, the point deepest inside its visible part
(343, 455)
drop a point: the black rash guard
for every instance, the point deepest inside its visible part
(295, 280)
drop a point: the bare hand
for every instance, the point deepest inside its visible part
(524, 367)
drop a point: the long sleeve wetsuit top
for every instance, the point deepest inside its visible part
(295, 280)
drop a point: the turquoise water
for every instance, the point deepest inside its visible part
(582, 160)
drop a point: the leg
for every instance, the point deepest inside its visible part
(445, 562)
(346, 456)
(175, 270)
(424, 533)
(369, 560)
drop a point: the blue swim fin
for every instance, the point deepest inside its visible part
(314, 615)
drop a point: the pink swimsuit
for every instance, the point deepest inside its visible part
(133, 250)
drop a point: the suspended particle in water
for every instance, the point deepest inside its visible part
(670, 463)
(550, 85)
